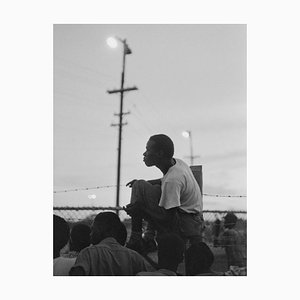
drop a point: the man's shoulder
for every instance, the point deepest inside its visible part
(97, 247)
(113, 245)
(176, 173)
(180, 169)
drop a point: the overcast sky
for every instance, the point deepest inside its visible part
(190, 77)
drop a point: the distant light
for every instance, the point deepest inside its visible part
(92, 196)
(186, 134)
(112, 42)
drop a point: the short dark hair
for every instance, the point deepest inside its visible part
(80, 237)
(230, 220)
(108, 224)
(61, 233)
(198, 258)
(163, 143)
(170, 249)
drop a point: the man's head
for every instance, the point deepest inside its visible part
(170, 251)
(159, 147)
(198, 258)
(80, 237)
(61, 234)
(121, 236)
(230, 220)
(106, 224)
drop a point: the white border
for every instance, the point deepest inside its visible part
(273, 51)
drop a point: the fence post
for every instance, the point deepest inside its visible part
(197, 172)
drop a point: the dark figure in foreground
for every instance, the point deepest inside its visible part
(198, 260)
(107, 256)
(172, 203)
(170, 255)
(61, 234)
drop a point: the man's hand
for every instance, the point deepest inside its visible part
(132, 208)
(130, 183)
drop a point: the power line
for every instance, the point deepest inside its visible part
(140, 119)
(157, 113)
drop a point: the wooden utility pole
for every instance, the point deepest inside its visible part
(126, 51)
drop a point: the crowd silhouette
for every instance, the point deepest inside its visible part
(100, 249)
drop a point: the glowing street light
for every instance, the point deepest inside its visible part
(186, 134)
(112, 42)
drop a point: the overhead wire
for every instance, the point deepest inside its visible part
(140, 118)
(157, 113)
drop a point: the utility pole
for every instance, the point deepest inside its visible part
(188, 134)
(126, 51)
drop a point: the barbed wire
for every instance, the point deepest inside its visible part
(121, 208)
(229, 196)
(84, 189)
(109, 186)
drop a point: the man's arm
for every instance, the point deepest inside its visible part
(155, 181)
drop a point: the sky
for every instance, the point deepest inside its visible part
(189, 77)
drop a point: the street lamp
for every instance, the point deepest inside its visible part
(188, 134)
(113, 43)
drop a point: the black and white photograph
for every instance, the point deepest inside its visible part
(144, 139)
(150, 150)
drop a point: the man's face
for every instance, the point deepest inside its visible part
(151, 155)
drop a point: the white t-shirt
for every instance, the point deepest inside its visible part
(180, 189)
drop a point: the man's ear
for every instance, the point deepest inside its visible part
(160, 153)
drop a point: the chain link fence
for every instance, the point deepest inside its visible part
(78, 214)
(87, 214)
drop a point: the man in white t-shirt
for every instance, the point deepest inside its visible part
(170, 204)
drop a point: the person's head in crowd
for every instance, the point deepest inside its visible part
(198, 259)
(61, 234)
(121, 234)
(230, 220)
(106, 224)
(170, 251)
(80, 237)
